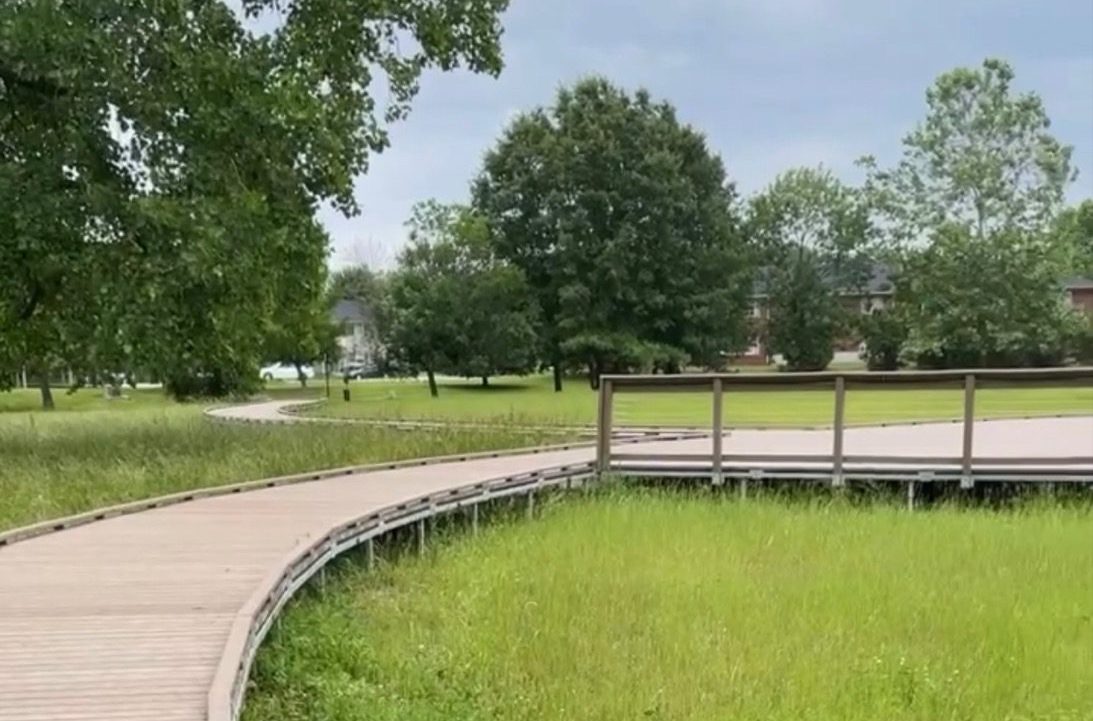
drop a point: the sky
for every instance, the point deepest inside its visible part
(773, 84)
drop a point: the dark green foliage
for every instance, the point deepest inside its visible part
(811, 231)
(885, 334)
(1074, 227)
(455, 307)
(174, 244)
(804, 313)
(966, 307)
(621, 218)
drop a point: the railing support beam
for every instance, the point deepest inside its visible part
(718, 433)
(837, 479)
(603, 439)
(966, 479)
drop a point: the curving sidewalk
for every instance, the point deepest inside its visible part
(155, 611)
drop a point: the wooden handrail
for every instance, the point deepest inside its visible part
(778, 381)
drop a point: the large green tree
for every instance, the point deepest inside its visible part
(623, 221)
(969, 212)
(160, 164)
(811, 232)
(455, 306)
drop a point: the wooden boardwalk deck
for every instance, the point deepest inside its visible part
(147, 615)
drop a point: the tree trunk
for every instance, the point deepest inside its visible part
(47, 392)
(432, 383)
(594, 376)
(485, 381)
(557, 376)
(301, 375)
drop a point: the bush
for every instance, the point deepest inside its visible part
(884, 334)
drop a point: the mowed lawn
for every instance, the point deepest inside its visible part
(641, 605)
(532, 401)
(92, 453)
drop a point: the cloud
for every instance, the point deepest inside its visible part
(773, 83)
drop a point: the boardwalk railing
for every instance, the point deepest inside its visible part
(835, 464)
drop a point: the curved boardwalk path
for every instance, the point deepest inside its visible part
(151, 615)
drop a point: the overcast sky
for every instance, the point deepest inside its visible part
(773, 84)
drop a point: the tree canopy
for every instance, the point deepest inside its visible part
(969, 214)
(455, 306)
(160, 165)
(811, 231)
(624, 224)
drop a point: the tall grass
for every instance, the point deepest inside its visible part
(59, 463)
(643, 605)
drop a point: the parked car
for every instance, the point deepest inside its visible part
(285, 372)
(357, 371)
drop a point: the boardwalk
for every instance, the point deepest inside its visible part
(140, 616)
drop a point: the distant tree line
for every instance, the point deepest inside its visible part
(605, 237)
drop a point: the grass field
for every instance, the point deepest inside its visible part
(532, 400)
(639, 605)
(62, 462)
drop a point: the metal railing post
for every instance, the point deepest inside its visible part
(603, 439)
(718, 432)
(966, 479)
(837, 479)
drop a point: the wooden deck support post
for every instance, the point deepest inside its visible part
(837, 480)
(370, 554)
(421, 537)
(531, 505)
(474, 519)
(718, 432)
(910, 495)
(966, 479)
(603, 438)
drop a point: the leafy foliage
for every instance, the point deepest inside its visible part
(622, 220)
(456, 308)
(983, 160)
(811, 230)
(160, 164)
(1074, 228)
(885, 334)
(804, 313)
(969, 213)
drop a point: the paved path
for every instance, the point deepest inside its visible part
(139, 616)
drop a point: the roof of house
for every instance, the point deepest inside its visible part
(1078, 283)
(348, 310)
(879, 282)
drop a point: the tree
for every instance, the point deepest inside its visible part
(156, 159)
(456, 307)
(982, 160)
(965, 306)
(804, 314)
(622, 220)
(1074, 228)
(968, 213)
(885, 335)
(811, 231)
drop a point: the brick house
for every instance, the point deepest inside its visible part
(875, 294)
(1079, 294)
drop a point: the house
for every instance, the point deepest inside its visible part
(874, 293)
(358, 338)
(1079, 294)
